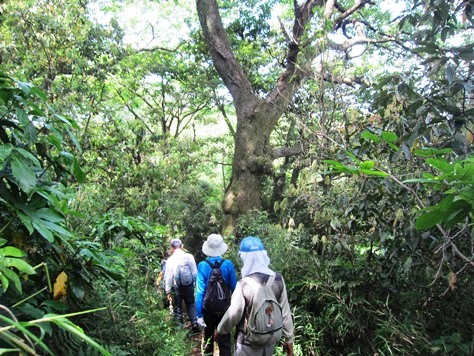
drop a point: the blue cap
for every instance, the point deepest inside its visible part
(251, 244)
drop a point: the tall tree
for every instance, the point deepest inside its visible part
(258, 111)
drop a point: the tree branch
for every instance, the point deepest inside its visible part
(223, 57)
(294, 73)
(357, 6)
(287, 151)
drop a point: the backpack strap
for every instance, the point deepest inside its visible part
(269, 283)
(270, 280)
(216, 264)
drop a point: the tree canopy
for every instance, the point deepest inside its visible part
(338, 131)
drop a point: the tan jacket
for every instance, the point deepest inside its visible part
(241, 302)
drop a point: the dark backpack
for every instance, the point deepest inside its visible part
(217, 296)
(184, 276)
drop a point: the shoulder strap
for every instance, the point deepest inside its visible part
(270, 280)
(216, 264)
(269, 284)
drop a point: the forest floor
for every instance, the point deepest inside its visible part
(196, 342)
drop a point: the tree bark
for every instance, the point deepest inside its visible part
(257, 117)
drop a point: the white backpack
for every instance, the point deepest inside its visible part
(183, 275)
(265, 323)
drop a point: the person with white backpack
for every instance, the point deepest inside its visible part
(259, 306)
(180, 276)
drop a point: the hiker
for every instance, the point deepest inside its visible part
(180, 274)
(210, 308)
(250, 305)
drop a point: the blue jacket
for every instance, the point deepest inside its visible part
(203, 274)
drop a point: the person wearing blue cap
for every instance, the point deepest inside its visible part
(257, 276)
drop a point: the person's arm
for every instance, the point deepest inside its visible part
(288, 327)
(192, 262)
(169, 275)
(201, 282)
(235, 312)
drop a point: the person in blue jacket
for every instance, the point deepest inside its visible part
(214, 247)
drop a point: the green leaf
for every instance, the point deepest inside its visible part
(374, 173)
(367, 165)
(3, 278)
(467, 194)
(5, 151)
(62, 232)
(63, 119)
(67, 325)
(24, 86)
(427, 152)
(30, 133)
(77, 288)
(12, 252)
(337, 166)
(56, 305)
(24, 175)
(19, 264)
(27, 155)
(429, 220)
(78, 173)
(407, 265)
(54, 140)
(48, 215)
(26, 220)
(12, 276)
(440, 164)
(369, 136)
(45, 232)
(389, 137)
(39, 93)
(22, 117)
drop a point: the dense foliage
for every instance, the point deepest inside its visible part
(109, 149)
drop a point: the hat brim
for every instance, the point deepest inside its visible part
(211, 252)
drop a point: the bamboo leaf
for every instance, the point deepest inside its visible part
(47, 234)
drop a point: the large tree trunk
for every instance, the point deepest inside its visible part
(252, 161)
(256, 117)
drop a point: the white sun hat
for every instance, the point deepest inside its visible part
(214, 246)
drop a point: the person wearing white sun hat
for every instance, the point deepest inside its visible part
(214, 247)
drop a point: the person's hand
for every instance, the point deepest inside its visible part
(288, 347)
(201, 323)
(216, 335)
(168, 296)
